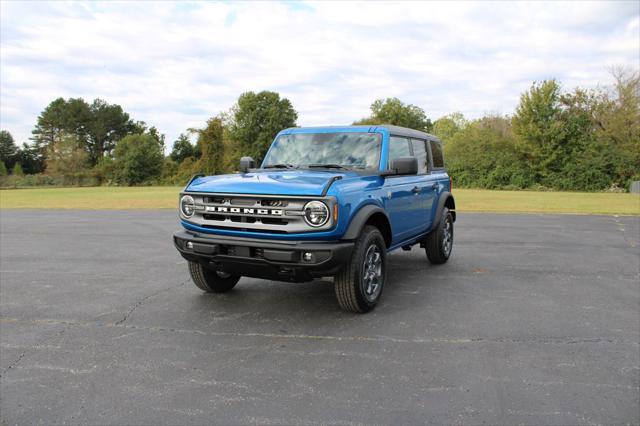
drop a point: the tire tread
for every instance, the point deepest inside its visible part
(433, 247)
(207, 280)
(196, 272)
(345, 288)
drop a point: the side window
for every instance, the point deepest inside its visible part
(420, 152)
(398, 147)
(436, 154)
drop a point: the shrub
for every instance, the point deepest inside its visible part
(17, 170)
(483, 155)
(138, 160)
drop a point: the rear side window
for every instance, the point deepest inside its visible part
(420, 152)
(436, 154)
(398, 147)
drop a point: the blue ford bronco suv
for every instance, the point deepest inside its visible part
(326, 201)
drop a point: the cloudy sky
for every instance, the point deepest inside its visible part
(174, 65)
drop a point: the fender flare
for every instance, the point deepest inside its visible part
(446, 195)
(361, 217)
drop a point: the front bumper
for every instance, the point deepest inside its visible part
(269, 259)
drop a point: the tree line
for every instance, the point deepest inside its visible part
(581, 139)
(79, 143)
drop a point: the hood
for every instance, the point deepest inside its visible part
(271, 182)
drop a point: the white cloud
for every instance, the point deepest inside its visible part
(174, 65)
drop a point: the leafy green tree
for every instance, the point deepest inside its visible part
(540, 128)
(186, 170)
(617, 119)
(256, 119)
(62, 117)
(586, 164)
(104, 171)
(179, 174)
(96, 126)
(446, 127)
(232, 152)
(17, 170)
(8, 149)
(182, 148)
(138, 159)
(497, 123)
(210, 141)
(159, 137)
(138, 127)
(49, 125)
(559, 135)
(68, 159)
(484, 155)
(31, 159)
(3, 169)
(169, 170)
(107, 124)
(394, 111)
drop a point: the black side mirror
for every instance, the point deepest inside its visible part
(404, 166)
(247, 163)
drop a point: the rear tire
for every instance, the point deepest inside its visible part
(439, 242)
(211, 281)
(359, 284)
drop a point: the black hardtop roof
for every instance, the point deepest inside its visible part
(405, 131)
(394, 130)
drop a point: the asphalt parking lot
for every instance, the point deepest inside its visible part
(535, 320)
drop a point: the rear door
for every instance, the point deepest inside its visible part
(425, 197)
(438, 177)
(402, 194)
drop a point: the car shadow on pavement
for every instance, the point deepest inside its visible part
(312, 299)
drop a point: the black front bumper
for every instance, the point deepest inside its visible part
(269, 259)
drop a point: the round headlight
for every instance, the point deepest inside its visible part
(187, 205)
(316, 213)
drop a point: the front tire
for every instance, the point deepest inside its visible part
(359, 284)
(439, 242)
(211, 281)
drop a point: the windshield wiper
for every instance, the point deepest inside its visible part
(279, 166)
(327, 166)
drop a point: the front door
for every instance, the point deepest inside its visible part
(403, 195)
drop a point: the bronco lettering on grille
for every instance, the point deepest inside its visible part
(258, 212)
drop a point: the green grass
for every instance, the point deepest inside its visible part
(93, 198)
(478, 200)
(467, 200)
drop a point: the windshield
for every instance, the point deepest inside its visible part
(338, 150)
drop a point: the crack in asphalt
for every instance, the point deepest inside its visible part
(622, 228)
(375, 339)
(24, 353)
(141, 301)
(76, 323)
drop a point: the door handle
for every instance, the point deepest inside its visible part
(435, 186)
(415, 190)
